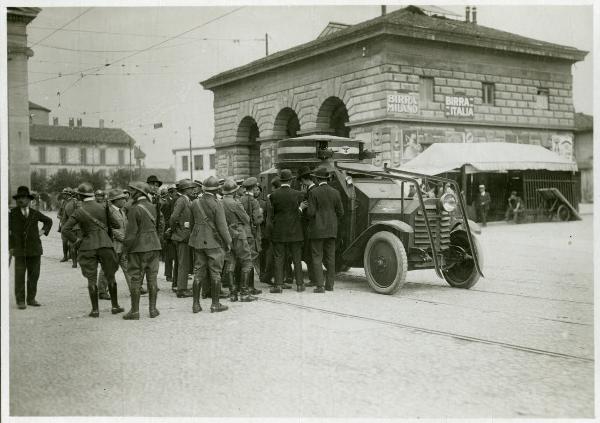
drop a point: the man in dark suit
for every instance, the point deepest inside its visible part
(482, 204)
(180, 227)
(286, 233)
(323, 209)
(170, 246)
(25, 246)
(305, 178)
(95, 246)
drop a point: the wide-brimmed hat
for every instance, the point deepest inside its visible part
(85, 189)
(210, 184)
(304, 172)
(153, 179)
(285, 175)
(230, 186)
(115, 194)
(321, 173)
(250, 182)
(185, 184)
(140, 186)
(23, 191)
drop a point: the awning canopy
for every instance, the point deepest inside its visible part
(486, 157)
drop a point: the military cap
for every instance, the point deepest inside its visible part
(153, 179)
(172, 187)
(211, 184)
(250, 182)
(140, 186)
(285, 175)
(230, 186)
(321, 173)
(85, 189)
(185, 184)
(115, 194)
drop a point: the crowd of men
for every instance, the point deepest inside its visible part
(222, 232)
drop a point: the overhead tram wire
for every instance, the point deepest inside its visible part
(64, 25)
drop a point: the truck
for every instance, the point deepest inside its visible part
(391, 224)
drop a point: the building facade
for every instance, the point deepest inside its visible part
(584, 154)
(17, 19)
(399, 82)
(202, 163)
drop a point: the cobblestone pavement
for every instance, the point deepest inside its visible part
(520, 343)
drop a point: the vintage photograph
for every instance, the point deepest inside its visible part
(298, 211)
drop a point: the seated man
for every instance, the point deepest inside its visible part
(514, 208)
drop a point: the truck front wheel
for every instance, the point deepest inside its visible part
(464, 274)
(385, 262)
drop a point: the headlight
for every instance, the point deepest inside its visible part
(448, 202)
(349, 180)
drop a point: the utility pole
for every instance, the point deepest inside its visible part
(191, 161)
(130, 169)
(266, 44)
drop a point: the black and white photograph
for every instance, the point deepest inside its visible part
(298, 210)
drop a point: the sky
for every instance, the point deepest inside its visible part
(154, 77)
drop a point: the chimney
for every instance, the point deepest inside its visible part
(474, 18)
(467, 14)
(79, 122)
(101, 123)
(383, 10)
(71, 122)
(55, 121)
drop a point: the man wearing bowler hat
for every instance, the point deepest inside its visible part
(323, 209)
(286, 234)
(25, 246)
(95, 245)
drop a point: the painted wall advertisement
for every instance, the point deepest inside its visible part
(459, 106)
(402, 103)
(563, 146)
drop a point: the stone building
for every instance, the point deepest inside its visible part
(17, 19)
(584, 154)
(399, 82)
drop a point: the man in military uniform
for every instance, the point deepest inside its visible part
(95, 245)
(239, 227)
(100, 196)
(323, 209)
(180, 227)
(143, 247)
(62, 218)
(70, 207)
(117, 199)
(210, 240)
(253, 235)
(25, 246)
(287, 235)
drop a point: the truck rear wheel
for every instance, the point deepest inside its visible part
(563, 213)
(385, 262)
(464, 275)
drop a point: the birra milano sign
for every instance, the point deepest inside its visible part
(459, 106)
(402, 103)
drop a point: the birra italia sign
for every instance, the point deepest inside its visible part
(402, 103)
(459, 106)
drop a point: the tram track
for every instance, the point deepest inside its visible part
(437, 332)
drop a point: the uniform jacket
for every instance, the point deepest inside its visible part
(254, 211)
(182, 213)
(119, 234)
(94, 236)
(70, 207)
(483, 201)
(23, 234)
(141, 235)
(324, 210)
(237, 218)
(286, 218)
(209, 230)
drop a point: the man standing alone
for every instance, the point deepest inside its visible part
(482, 205)
(25, 245)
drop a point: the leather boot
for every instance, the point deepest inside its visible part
(116, 308)
(65, 246)
(245, 296)
(152, 296)
(93, 291)
(216, 306)
(233, 293)
(134, 313)
(206, 287)
(196, 296)
(251, 287)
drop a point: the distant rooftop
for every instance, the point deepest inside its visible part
(82, 135)
(35, 106)
(583, 122)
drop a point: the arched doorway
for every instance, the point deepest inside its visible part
(332, 117)
(247, 135)
(286, 124)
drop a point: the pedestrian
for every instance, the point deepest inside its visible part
(171, 262)
(305, 178)
(70, 207)
(253, 235)
(238, 223)
(117, 199)
(210, 241)
(482, 205)
(514, 208)
(62, 218)
(143, 248)
(94, 246)
(286, 235)
(180, 226)
(324, 209)
(269, 264)
(25, 245)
